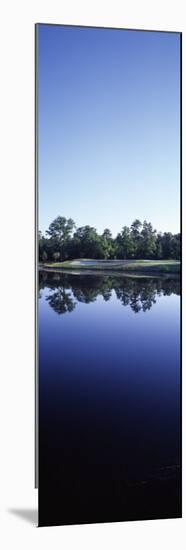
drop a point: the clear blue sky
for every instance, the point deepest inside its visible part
(109, 128)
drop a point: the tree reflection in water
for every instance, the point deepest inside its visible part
(66, 290)
(61, 301)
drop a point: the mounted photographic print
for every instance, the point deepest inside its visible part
(108, 185)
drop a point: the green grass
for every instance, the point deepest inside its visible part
(145, 266)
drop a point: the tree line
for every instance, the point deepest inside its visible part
(65, 241)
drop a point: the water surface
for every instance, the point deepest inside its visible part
(109, 390)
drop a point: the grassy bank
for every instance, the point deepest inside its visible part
(145, 266)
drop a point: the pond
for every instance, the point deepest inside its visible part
(109, 398)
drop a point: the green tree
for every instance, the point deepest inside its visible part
(60, 228)
(139, 241)
(107, 235)
(159, 250)
(125, 244)
(44, 256)
(176, 246)
(148, 241)
(107, 244)
(166, 242)
(87, 242)
(42, 247)
(59, 232)
(136, 237)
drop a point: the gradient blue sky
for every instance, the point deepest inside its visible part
(109, 127)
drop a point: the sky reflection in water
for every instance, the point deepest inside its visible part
(109, 375)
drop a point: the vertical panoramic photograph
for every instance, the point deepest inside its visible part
(108, 149)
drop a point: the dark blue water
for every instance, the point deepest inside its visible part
(109, 389)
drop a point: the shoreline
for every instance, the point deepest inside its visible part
(128, 270)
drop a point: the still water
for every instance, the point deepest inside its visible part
(109, 398)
